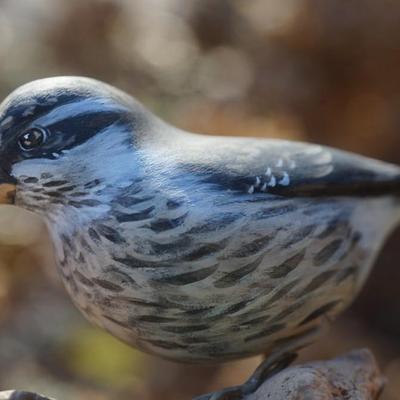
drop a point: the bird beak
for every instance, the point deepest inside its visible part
(7, 189)
(7, 193)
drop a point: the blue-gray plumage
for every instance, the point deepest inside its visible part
(189, 246)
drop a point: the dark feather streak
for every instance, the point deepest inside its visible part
(154, 319)
(138, 216)
(188, 277)
(283, 291)
(346, 273)
(265, 332)
(233, 277)
(320, 311)
(128, 201)
(134, 262)
(105, 284)
(301, 234)
(204, 250)
(94, 235)
(287, 266)
(92, 184)
(319, 280)
(185, 328)
(55, 183)
(327, 252)
(251, 248)
(166, 224)
(110, 234)
(83, 279)
(275, 211)
(216, 223)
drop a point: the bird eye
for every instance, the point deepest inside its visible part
(32, 139)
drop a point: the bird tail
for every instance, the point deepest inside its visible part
(351, 175)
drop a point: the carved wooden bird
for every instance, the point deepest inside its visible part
(192, 247)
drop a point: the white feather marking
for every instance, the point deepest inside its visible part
(7, 121)
(268, 172)
(258, 181)
(264, 187)
(285, 181)
(272, 181)
(29, 111)
(251, 189)
(322, 170)
(52, 100)
(323, 158)
(313, 149)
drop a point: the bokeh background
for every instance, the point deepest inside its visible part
(318, 70)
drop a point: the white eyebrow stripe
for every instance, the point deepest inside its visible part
(74, 109)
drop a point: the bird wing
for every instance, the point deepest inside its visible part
(295, 169)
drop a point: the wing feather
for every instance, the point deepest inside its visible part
(293, 169)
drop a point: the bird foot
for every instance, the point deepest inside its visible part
(268, 368)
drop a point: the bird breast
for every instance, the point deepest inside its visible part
(221, 277)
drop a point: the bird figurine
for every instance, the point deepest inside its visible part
(192, 247)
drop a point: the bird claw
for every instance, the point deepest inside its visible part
(268, 368)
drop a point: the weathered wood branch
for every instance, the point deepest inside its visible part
(354, 375)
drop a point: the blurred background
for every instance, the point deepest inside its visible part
(318, 70)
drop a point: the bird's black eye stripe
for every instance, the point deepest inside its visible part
(73, 131)
(32, 139)
(90, 120)
(65, 133)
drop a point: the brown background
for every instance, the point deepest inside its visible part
(319, 70)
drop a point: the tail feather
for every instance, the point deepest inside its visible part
(350, 175)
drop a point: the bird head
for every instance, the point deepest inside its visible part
(63, 140)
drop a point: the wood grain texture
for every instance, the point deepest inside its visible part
(353, 376)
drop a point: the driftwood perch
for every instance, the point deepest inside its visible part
(353, 376)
